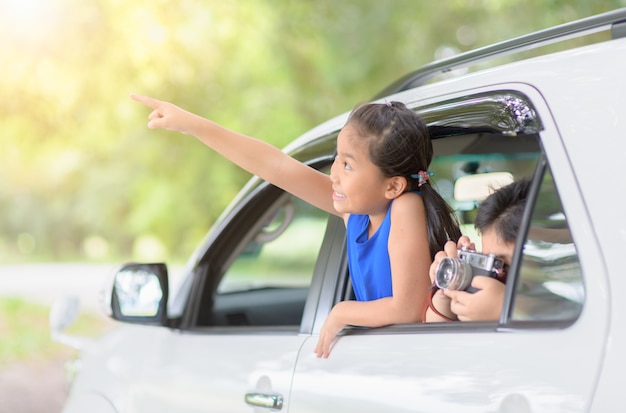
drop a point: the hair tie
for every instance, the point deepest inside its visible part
(422, 177)
(389, 104)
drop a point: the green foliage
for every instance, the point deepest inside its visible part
(81, 177)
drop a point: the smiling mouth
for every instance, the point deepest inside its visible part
(337, 195)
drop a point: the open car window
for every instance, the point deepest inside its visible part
(283, 251)
(548, 282)
(465, 156)
(548, 285)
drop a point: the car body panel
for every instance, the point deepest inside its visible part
(461, 371)
(211, 379)
(451, 368)
(463, 367)
(161, 370)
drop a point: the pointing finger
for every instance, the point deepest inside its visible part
(153, 103)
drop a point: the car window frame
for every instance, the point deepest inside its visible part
(507, 318)
(504, 323)
(230, 236)
(516, 262)
(330, 282)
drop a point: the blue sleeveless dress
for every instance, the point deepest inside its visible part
(368, 259)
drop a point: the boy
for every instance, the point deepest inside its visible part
(498, 220)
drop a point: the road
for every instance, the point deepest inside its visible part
(46, 283)
(41, 387)
(36, 387)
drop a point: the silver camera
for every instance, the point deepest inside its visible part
(457, 273)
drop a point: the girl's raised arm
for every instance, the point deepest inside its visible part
(255, 156)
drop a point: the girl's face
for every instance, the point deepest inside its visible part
(358, 185)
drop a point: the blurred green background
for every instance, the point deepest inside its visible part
(81, 176)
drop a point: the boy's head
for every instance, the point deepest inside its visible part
(499, 218)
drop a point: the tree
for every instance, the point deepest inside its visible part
(82, 177)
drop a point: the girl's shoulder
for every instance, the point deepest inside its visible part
(408, 202)
(408, 213)
(409, 197)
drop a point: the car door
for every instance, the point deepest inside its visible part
(238, 342)
(543, 355)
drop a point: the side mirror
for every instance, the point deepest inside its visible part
(140, 293)
(62, 315)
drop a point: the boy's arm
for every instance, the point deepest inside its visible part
(440, 301)
(483, 305)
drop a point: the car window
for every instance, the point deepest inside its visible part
(267, 281)
(550, 284)
(282, 253)
(467, 155)
(474, 154)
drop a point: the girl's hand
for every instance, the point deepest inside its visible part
(329, 331)
(166, 115)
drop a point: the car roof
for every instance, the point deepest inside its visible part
(613, 21)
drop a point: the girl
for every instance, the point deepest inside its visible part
(378, 184)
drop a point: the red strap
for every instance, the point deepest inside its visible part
(429, 304)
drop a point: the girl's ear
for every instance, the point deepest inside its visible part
(396, 187)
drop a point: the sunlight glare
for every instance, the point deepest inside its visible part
(28, 19)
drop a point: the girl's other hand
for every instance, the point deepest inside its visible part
(329, 331)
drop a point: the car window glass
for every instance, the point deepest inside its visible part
(282, 253)
(467, 155)
(550, 285)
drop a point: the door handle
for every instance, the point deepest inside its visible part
(269, 401)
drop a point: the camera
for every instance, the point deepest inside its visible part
(457, 273)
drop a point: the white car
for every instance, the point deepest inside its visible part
(239, 334)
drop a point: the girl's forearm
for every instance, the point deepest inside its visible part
(253, 155)
(266, 161)
(376, 313)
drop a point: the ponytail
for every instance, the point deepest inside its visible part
(441, 221)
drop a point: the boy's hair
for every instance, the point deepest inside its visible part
(502, 211)
(399, 145)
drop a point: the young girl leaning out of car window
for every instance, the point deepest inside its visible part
(378, 184)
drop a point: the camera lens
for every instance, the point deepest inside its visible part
(453, 274)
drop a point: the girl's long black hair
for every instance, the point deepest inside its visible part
(400, 145)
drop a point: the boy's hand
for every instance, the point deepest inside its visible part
(450, 249)
(483, 305)
(464, 242)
